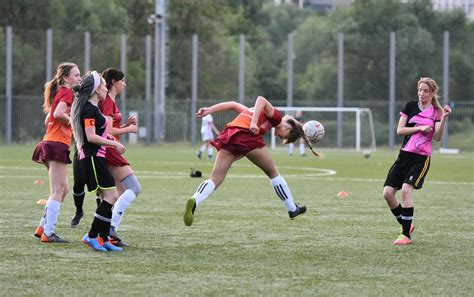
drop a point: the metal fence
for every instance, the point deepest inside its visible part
(298, 78)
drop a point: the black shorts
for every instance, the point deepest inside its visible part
(409, 168)
(97, 174)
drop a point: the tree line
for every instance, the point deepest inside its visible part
(366, 25)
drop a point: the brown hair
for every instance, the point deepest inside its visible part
(431, 83)
(50, 88)
(297, 132)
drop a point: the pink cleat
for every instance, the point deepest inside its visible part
(402, 240)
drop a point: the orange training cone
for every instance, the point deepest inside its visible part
(342, 194)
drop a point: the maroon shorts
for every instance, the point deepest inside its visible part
(47, 151)
(114, 159)
(238, 141)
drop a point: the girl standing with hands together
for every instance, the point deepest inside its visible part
(420, 122)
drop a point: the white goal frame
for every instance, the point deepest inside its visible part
(358, 114)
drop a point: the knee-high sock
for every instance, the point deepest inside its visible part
(407, 218)
(101, 223)
(123, 202)
(397, 213)
(302, 148)
(52, 213)
(291, 147)
(202, 148)
(283, 191)
(203, 191)
(79, 200)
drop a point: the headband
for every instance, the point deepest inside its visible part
(96, 77)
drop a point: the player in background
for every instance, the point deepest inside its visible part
(302, 147)
(90, 133)
(207, 133)
(243, 137)
(53, 150)
(420, 122)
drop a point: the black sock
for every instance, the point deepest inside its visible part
(98, 199)
(397, 212)
(78, 198)
(407, 218)
(101, 224)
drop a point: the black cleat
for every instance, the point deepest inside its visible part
(114, 239)
(76, 219)
(299, 211)
(53, 238)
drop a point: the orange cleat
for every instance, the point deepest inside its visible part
(402, 240)
(39, 231)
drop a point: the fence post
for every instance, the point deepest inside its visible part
(445, 83)
(87, 45)
(194, 88)
(340, 87)
(148, 88)
(123, 68)
(391, 100)
(242, 69)
(8, 86)
(49, 54)
(291, 56)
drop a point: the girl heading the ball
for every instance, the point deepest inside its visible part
(243, 137)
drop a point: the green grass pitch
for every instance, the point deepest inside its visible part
(242, 241)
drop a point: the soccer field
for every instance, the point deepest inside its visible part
(242, 241)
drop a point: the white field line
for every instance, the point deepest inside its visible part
(313, 173)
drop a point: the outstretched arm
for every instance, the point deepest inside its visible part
(261, 105)
(229, 105)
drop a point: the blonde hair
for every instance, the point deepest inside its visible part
(50, 88)
(297, 132)
(431, 83)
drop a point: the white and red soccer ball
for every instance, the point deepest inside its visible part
(314, 130)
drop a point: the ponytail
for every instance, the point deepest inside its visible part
(83, 91)
(297, 132)
(51, 87)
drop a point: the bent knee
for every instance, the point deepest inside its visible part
(388, 194)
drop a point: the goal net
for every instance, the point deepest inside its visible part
(345, 127)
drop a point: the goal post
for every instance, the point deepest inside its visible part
(355, 125)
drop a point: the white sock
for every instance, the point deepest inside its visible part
(291, 146)
(202, 148)
(203, 191)
(52, 213)
(43, 217)
(283, 191)
(123, 202)
(302, 148)
(209, 151)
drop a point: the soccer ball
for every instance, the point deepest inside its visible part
(314, 130)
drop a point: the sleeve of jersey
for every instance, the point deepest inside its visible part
(67, 96)
(405, 111)
(89, 118)
(276, 119)
(107, 108)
